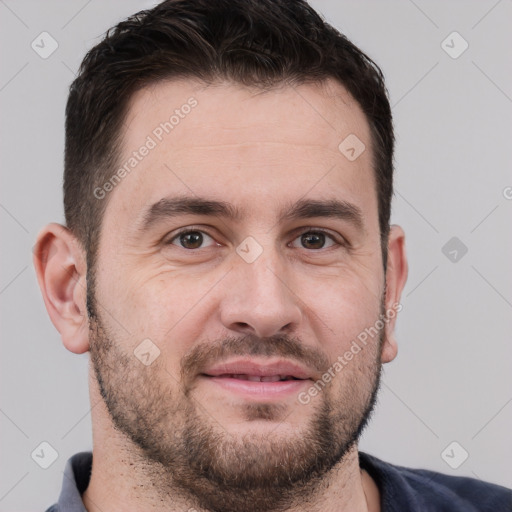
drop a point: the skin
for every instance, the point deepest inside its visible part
(259, 152)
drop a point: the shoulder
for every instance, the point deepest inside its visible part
(424, 490)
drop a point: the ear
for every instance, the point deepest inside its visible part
(61, 269)
(396, 276)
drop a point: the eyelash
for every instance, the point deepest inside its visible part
(184, 231)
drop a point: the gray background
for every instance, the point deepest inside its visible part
(451, 380)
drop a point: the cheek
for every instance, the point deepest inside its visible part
(342, 307)
(168, 308)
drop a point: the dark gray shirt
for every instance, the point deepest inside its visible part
(401, 489)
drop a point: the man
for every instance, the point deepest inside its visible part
(229, 264)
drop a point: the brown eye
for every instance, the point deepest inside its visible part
(190, 239)
(315, 240)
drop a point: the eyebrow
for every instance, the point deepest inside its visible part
(330, 208)
(170, 207)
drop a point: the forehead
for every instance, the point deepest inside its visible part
(242, 145)
(227, 113)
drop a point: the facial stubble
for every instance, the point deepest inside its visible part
(186, 452)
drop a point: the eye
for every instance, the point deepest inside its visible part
(316, 239)
(191, 239)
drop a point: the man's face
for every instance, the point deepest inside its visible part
(274, 292)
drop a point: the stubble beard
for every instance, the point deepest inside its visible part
(186, 453)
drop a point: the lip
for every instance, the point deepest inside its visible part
(262, 368)
(266, 391)
(222, 376)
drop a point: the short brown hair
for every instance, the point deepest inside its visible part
(262, 43)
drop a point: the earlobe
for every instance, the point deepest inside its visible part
(396, 277)
(61, 269)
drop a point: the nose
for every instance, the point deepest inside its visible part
(260, 298)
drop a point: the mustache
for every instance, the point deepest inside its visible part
(206, 354)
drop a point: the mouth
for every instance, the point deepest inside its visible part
(255, 378)
(259, 380)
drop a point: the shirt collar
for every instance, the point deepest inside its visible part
(77, 474)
